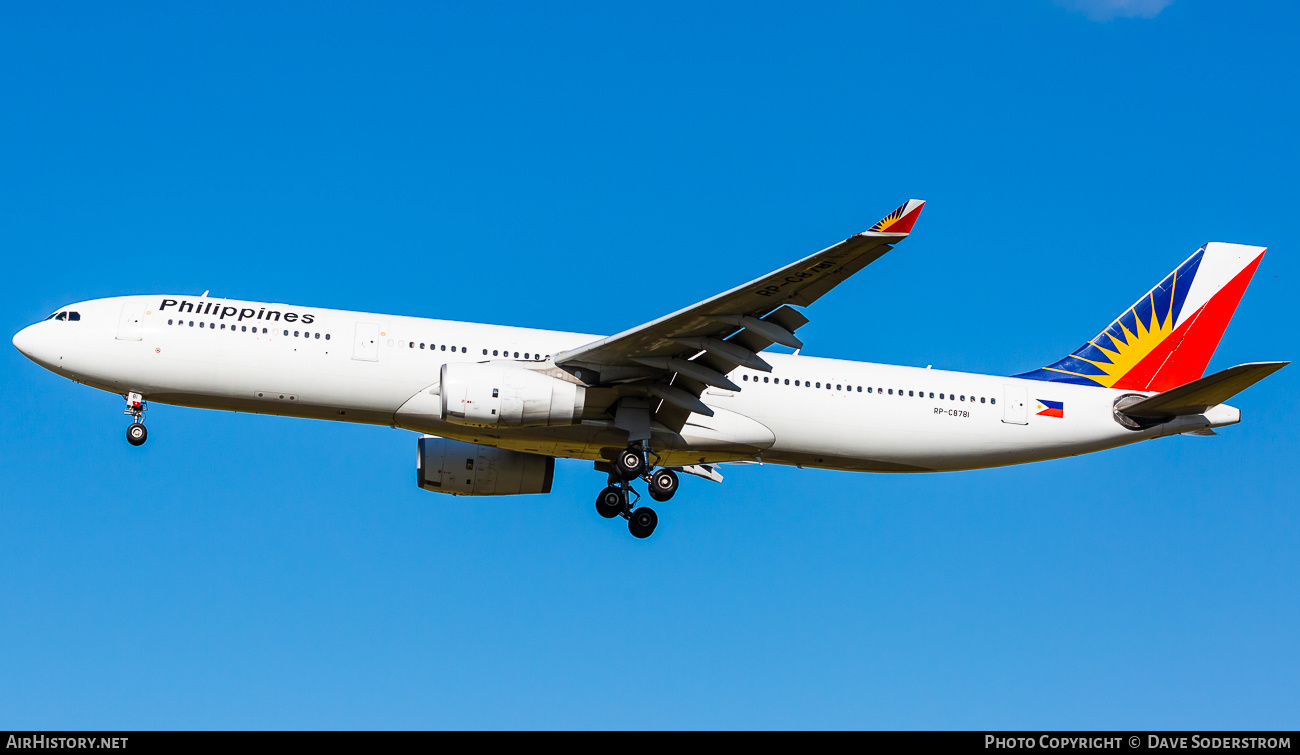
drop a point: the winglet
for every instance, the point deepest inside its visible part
(901, 220)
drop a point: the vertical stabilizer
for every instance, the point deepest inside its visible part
(1167, 337)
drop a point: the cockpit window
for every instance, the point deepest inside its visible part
(61, 316)
(74, 316)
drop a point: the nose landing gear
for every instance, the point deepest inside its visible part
(136, 406)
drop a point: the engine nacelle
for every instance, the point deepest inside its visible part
(496, 394)
(451, 466)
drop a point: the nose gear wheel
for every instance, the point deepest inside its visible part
(136, 406)
(136, 435)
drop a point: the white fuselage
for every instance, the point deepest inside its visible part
(372, 368)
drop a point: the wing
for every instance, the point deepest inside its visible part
(672, 360)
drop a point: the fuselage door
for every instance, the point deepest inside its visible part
(128, 326)
(1016, 411)
(366, 346)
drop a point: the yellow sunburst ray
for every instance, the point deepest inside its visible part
(1135, 346)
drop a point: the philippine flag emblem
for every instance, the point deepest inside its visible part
(1051, 408)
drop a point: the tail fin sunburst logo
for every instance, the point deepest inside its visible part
(1167, 337)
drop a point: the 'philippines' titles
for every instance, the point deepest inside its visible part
(222, 312)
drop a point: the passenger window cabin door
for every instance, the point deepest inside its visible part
(365, 346)
(128, 325)
(1016, 409)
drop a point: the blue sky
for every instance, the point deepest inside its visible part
(591, 167)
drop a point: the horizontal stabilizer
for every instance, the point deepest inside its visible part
(1197, 396)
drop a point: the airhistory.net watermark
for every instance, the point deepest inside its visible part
(43, 742)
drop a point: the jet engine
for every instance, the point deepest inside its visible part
(495, 394)
(451, 466)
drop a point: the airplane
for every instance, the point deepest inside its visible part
(497, 405)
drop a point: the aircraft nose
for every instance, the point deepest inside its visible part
(35, 344)
(25, 340)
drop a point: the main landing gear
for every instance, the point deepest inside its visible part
(619, 499)
(136, 406)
